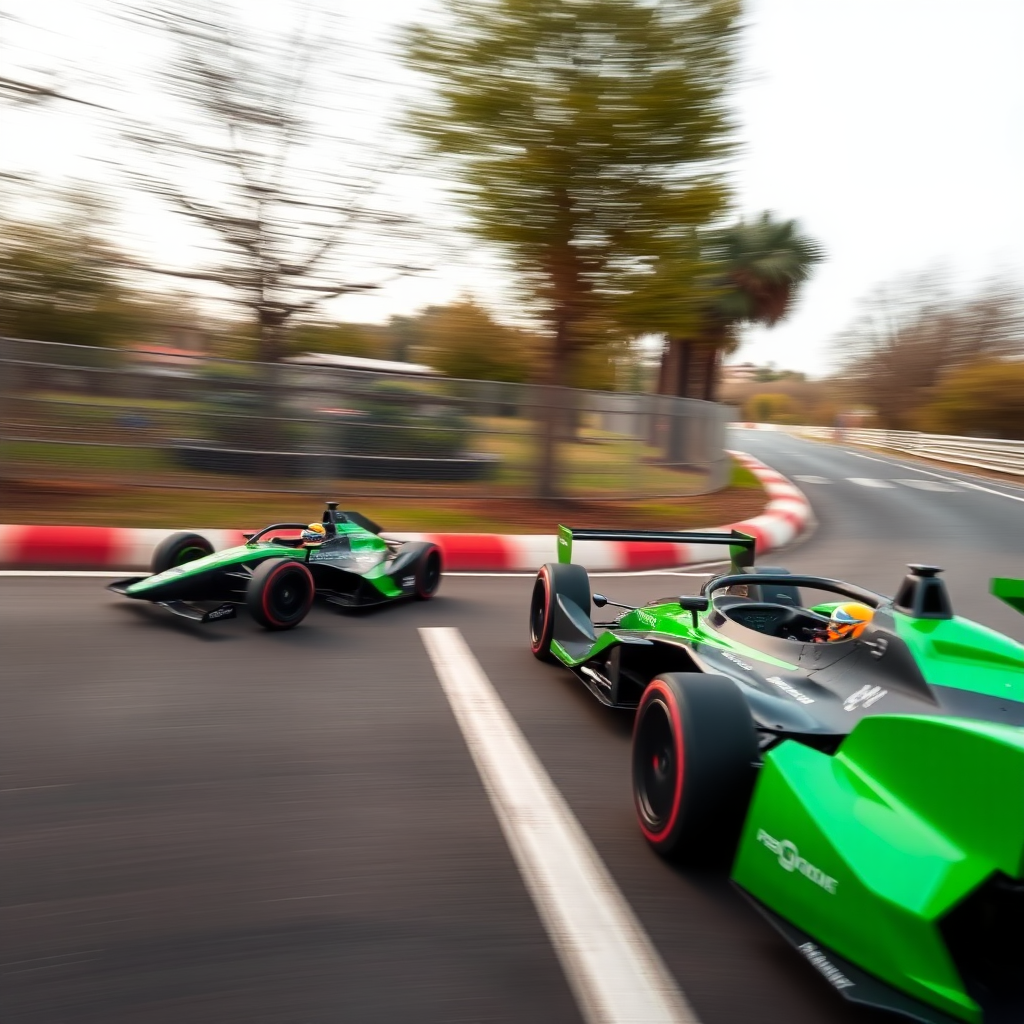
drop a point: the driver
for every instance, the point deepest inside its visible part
(847, 622)
(314, 534)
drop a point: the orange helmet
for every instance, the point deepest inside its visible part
(315, 533)
(848, 621)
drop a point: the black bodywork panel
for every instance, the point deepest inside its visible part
(831, 688)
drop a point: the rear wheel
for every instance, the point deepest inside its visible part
(428, 573)
(280, 593)
(178, 549)
(694, 746)
(569, 580)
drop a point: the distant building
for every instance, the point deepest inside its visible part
(739, 373)
(361, 363)
(166, 361)
(181, 350)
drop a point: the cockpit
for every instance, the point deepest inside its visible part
(776, 605)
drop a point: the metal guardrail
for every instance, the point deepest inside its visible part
(124, 418)
(995, 454)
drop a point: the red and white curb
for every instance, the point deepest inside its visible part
(785, 517)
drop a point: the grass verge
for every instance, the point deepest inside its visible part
(105, 503)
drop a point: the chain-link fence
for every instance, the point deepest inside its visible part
(162, 420)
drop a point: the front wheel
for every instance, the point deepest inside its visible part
(280, 593)
(178, 549)
(428, 573)
(694, 746)
(556, 578)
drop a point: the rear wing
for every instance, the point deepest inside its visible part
(741, 545)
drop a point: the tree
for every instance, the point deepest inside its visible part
(250, 153)
(758, 268)
(29, 87)
(909, 335)
(580, 134)
(770, 407)
(59, 282)
(982, 398)
(462, 340)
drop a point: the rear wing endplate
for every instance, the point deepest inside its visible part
(741, 545)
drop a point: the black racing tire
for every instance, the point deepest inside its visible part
(280, 593)
(178, 549)
(554, 578)
(428, 573)
(694, 748)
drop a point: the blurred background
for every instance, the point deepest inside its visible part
(511, 258)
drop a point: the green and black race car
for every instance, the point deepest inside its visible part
(869, 791)
(276, 574)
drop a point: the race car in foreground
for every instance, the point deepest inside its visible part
(276, 574)
(867, 789)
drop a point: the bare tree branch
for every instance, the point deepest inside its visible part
(29, 92)
(252, 160)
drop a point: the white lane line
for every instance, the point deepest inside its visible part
(927, 485)
(870, 458)
(866, 481)
(987, 490)
(813, 479)
(941, 476)
(615, 972)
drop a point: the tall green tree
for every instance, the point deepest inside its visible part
(59, 282)
(579, 133)
(757, 268)
(462, 340)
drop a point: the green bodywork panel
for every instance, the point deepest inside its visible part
(226, 559)
(360, 540)
(670, 623)
(963, 654)
(1009, 590)
(866, 850)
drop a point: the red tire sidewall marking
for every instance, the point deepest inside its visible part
(539, 644)
(658, 688)
(268, 583)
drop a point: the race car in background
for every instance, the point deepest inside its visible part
(868, 791)
(277, 575)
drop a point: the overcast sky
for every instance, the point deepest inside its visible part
(893, 130)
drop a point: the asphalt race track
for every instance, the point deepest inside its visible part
(221, 824)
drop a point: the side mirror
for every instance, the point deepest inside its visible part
(600, 601)
(693, 605)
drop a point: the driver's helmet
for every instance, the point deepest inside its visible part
(848, 621)
(315, 533)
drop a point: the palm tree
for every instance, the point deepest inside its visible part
(762, 264)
